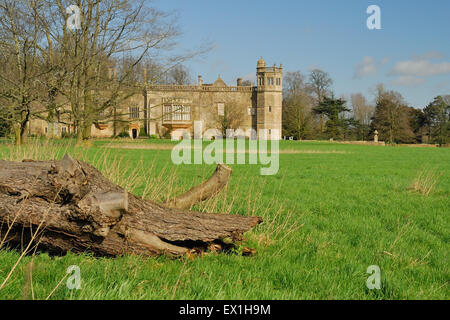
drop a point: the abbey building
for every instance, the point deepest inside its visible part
(163, 109)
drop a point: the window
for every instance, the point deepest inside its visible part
(270, 109)
(186, 113)
(278, 81)
(177, 113)
(134, 112)
(167, 113)
(261, 81)
(221, 109)
(270, 81)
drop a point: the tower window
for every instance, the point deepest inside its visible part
(270, 109)
(278, 81)
(270, 81)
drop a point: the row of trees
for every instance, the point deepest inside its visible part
(79, 62)
(311, 111)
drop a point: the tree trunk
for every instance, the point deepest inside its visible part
(87, 126)
(68, 205)
(18, 136)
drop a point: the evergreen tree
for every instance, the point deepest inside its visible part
(333, 110)
(437, 115)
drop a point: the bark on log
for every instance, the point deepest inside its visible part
(82, 211)
(204, 191)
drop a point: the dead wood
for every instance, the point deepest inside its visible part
(204, 191)
(80, 210)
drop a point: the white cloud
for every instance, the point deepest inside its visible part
(365, 68)
(420, 68)
(407, 81)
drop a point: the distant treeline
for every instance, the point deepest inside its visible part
(311, 111)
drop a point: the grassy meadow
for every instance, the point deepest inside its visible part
(330, 212)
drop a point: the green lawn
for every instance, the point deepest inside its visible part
(330, 212)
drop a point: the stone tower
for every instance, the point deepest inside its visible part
(269, 99)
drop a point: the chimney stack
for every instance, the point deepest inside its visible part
(239, 82)
(200, 81)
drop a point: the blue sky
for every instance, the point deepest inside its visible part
(410, 54)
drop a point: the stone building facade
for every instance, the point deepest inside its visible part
(168, 110)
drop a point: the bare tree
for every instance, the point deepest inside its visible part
(108, 30)
(20, 66)
(179, 75)
(362, 112)
(297, 104)
(320, 84)
(100, 64)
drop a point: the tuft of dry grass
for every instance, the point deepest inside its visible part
(35, 149)
(158, 185)
(425, 181)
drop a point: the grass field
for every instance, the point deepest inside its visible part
(330, 212)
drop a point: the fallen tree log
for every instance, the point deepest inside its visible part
(73, 207)
(204, 191)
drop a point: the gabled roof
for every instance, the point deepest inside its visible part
(219, 82)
